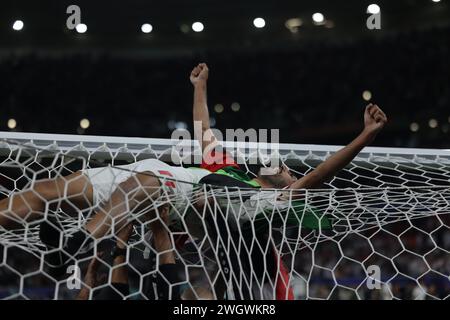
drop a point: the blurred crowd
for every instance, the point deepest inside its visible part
(413, 263)
(313, 93)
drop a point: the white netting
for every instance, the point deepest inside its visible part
(378, 230)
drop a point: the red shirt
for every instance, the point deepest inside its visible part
(216, 160)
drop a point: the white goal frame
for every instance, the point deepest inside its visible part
(122, 147)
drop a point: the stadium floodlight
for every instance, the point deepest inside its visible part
(81, 28)
(12, 123)
(146, 28)
(235, 106)
(433, 123)
(181, 125)
(373, 8)
(198, 26)
(436, 0)
(18, 25)
(367, 95)
(293, 24)
(318, 18)
(218, 108)
(414, 127)
(85, 123)
(259, 23)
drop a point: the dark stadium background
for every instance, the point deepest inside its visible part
(308, 83)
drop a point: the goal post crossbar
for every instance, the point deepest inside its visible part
(122, 147)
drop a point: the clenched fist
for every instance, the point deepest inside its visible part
(199, 74)
(374, 119)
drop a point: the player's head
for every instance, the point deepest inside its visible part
(277, 177)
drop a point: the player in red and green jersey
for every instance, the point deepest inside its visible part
(226, 172)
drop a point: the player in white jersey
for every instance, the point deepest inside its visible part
(177, 183)
(102, 186)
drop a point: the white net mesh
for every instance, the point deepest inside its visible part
(378, 230)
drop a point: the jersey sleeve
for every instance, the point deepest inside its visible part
(216, 160)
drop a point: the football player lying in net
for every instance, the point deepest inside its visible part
(118, 192)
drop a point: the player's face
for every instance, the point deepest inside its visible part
(281, 178)
(287, 175)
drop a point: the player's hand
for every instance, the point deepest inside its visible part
(199, 74)
(374, 119)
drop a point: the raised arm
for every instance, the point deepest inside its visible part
(202, 131)
(374, 121)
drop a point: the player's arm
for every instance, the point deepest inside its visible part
(168, 275)
(91, 279)
(374, 121)
(161, 237)
(202, 130)
(119, 273)
(119, 288)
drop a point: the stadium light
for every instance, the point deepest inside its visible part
(235, 106)
(436, 0)
(84, 123)
(318, 18)
(198, 26)
(259, 23)
(433, 123)
(81, 28)
(181, 125)
(367, 95)
(293, 24)
(12, 123)
(373, 8)
(218, 108)
(18, 25)
(414, 127)
(146, 28)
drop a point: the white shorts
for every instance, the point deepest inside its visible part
(105, 180)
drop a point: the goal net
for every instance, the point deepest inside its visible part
(377, 230)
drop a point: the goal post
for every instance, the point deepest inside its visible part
(380, 229)
(120, 146)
